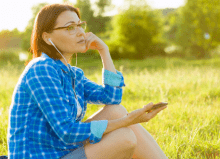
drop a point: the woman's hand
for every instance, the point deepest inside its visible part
(140, 115)
(93, 42)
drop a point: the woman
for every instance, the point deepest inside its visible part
(50, 99)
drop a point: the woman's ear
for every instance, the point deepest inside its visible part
(45, 37)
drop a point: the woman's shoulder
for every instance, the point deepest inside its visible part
(41, 61)
(40, 64)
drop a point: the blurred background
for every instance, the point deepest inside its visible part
(133, 29)
(167, 50)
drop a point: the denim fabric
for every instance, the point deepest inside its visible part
(79, 153)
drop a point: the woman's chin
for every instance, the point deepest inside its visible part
(84, 49)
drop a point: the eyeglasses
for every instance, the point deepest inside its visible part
(72, 28)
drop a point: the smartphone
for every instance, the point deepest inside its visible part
(158, 105)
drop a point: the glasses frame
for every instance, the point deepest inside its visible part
(69, 25)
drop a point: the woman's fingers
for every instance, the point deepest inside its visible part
(148, 106)
(95, 43)
(140, 115)
(138, 112)
(88, 41)
(153, 113)
(90, 38)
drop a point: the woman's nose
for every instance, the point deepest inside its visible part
(80, 32)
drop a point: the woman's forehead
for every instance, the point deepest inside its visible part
(67, 17)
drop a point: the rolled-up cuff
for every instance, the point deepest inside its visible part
(98, 127)
(112, 78)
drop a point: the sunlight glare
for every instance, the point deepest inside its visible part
(16, 14)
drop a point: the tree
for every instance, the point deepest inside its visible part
(94, 24)
(196, 27)
(86, 13)
(134, 32)
(102, 4)
(10, 39)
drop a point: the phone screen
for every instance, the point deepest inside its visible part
(158, 105)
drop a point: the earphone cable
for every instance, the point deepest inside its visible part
(59, 52)
(78, 104)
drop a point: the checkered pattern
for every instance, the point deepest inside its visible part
(43, 119)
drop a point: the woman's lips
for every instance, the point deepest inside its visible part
(82, 41)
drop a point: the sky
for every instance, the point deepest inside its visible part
(17, 13)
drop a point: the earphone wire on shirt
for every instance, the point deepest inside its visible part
(68, 69)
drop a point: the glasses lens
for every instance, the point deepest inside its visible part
(72, 28)
(83, 25)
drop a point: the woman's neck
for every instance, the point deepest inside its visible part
(67, 57)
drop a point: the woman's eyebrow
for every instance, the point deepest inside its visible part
(71, 22)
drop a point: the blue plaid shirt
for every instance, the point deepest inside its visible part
(43, 119)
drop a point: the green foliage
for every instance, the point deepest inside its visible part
(114, 49)
(191, 23)
(94, 24)
(10, 39)
(86, 13)
(9, 56)
(135, 32)
(102, 4)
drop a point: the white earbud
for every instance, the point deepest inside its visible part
(50, 41)
(57, 50)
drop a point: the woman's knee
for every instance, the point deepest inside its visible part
(120, 142)
(128, 137)
(131, 138)
(124, 137)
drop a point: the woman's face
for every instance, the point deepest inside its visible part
(65, 42)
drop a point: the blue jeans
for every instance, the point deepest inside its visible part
(76, 154)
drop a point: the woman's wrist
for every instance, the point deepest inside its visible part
(104, 50)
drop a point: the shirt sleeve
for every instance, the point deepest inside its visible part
(44, 84)
(111, 91)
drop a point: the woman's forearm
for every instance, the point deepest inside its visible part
(107, 60)
(116, 124)
(108, 65)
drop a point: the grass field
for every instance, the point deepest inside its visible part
(188, 129)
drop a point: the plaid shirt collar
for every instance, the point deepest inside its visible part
(61, 65)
